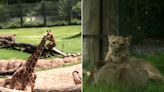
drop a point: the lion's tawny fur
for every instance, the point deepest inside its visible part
(129, 70)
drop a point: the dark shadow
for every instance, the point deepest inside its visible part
(74, 36)
(53, 90)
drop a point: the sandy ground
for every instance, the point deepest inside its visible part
(58, 79)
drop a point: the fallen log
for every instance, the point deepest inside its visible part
(25, 47)
(59, 52)
(9, 37)
(9, 72)
(8, 41)
(5, 43)
(29, 48)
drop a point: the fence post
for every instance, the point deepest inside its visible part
(101, 29)
(21, 14)
(91, 26)
(69, 12)
(122, 17)
(44, 14)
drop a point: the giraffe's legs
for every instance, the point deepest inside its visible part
(33, 82)
(12, 84)
(7, 82)
(30, 86)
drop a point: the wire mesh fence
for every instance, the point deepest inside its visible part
(62, 12)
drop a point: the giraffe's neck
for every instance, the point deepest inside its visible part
(31, 62)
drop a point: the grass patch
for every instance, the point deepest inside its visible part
(34, 36)
(12, 54)
(152, 87)
(156, 60)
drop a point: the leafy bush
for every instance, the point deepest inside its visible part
(59, 12)
(11, 23)
(144, 19)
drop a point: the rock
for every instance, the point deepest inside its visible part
(57, 61)
(67, 59)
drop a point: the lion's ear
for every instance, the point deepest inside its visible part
(128, 39)
(111, 36)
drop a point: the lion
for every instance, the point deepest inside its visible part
(120, 67)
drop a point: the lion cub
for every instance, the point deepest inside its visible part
(120, 67)
(118, 48)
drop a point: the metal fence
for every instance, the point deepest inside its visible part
(62, 12)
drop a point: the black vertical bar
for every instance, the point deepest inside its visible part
(21, 15)
(101, 54)
(69, 11)
(122, 15)
(44, 14)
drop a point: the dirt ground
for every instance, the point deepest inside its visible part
(58, 80)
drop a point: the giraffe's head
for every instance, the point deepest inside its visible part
(50, 38)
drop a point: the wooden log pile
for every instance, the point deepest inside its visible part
(8, 41)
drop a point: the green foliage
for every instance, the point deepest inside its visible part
(22, 1)
(2, 2)
(58, 12)
(152, 87)
(144, 18)
(11, 23)
(63, 7)
(12, 54)
(77, 8)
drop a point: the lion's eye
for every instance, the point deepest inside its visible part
(113, 42)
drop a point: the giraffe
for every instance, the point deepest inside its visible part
(24, 77)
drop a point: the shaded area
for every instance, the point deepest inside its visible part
(74, 36)
(75, 89)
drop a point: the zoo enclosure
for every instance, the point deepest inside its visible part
(61, 12)
(123, 17)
